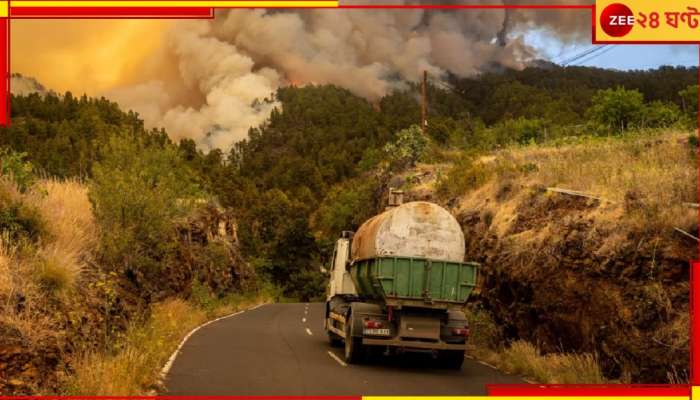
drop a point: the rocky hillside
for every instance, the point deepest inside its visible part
(59, 299)
(604, 271)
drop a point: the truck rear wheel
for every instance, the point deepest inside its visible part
(354, 350)
(451, 359)
(335, 340)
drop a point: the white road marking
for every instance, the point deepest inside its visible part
(487, 364)
(309, 332)
(336, 358)
(303, 320)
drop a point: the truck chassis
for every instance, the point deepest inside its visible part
(368, 330)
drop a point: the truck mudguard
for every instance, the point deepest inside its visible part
(359, 311)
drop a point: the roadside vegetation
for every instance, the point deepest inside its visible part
(99, 281)
(650, 167)
(133, 367)
(108, 230)
(525, 359)
(605, 218)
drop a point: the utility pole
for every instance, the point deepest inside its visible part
(424, 105)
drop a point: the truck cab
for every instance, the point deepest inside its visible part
(340, 280)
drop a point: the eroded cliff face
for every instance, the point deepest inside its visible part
(571, 273)
(575, 274)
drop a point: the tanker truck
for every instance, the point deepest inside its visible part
(399, 284)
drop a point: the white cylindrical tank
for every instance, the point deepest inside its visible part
(418, 229)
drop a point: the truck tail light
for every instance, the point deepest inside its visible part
(371, 324)
(461, 331)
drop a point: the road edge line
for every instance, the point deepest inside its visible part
(168, 364)
(336, 358)
(487, 364)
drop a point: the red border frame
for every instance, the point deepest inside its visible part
(111, 12)
(492, 390)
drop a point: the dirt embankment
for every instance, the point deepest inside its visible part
(567, 274)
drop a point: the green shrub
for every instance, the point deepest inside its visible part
(466, 175)
(19, 221)
(520, 130)
(485, 333)
(15, 166)
(309, 284)
(346, 206)
(408, 147)
(617, 109)
(202, 296)
(689, 99)
(658, 114)
(139, 190)
(440, 129)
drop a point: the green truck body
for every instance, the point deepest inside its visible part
(414, 281)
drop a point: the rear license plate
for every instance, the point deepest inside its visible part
(377, 332)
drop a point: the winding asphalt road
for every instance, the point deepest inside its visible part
(282, 349)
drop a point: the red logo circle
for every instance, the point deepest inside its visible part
(617, 20)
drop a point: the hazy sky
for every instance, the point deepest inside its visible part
(645, 56)
(618, 56)
(203, 79)
(83, 55)
(94, 56)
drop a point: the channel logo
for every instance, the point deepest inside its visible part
(647, 21)
(617, 20)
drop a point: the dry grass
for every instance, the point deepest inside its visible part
(17, 281)
(657, 171)
(644, 178)
(34, 272)
(5, 270)
(134, 368)
(65, 204)
(71, 231)
(657, 167)
(524, 359)
(67, 238)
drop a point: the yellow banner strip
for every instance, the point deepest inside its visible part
(174, 3)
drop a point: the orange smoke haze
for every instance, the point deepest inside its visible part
(86, 56)
(204, 79)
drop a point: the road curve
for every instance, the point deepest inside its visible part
(281, 349)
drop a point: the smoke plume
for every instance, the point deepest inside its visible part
(218, 69)
(24, 85)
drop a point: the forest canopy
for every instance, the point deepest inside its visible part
(318, 165)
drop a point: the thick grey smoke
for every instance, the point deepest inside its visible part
(226, 64)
